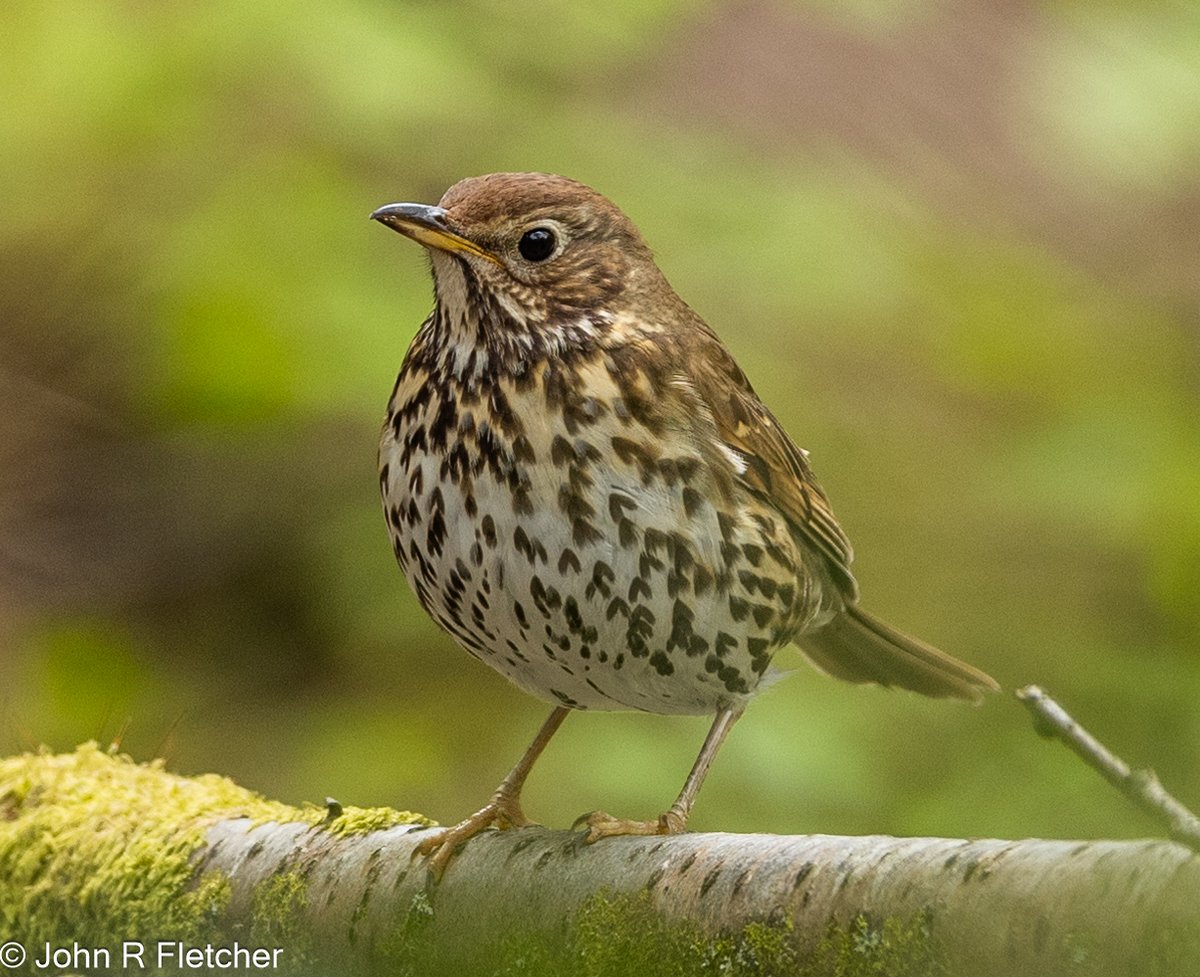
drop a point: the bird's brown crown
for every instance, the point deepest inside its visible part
(485, 202)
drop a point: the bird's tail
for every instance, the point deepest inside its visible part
(860, 648)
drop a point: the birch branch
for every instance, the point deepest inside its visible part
(97, 852)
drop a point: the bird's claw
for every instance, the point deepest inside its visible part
(602, 825)
(501, 812)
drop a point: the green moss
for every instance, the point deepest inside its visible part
(896, 948)
(611, 932)
(94, 847)
(361, 820)
(408, 950)
(99, 849)
(615, 936)
(277, 914)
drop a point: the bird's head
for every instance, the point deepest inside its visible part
(527, 252)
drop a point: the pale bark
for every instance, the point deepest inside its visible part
(994, 907)
(97, 849)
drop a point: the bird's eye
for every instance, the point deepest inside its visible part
(537, 244)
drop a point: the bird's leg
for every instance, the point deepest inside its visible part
(503, 810)
(674, 820)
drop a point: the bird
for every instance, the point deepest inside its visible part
(585, 492)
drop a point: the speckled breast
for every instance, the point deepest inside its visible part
(581, 545)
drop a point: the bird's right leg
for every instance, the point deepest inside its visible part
(503, 810)
(674, 820)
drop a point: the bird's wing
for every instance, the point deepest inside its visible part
(771, 464)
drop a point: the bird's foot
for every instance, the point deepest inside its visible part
(501, 811)
(601, 825)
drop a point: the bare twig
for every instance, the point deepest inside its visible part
(1140, 786)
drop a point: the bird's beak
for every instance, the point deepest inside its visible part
(428, 226)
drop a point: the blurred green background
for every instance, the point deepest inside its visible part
(956, 245)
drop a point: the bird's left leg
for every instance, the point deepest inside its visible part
(674, 820)
(503, 810)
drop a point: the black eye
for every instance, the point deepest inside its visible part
(537, 244)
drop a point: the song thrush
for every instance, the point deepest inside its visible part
(583, 489)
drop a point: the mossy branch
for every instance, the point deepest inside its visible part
(96, 850)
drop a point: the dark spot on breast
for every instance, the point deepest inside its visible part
(725, 524)
(616, 606)
(573, 504)
(602, 577)
(521, 503)
(618, 502)
(681, 550)
(732, 678)
(571, 613)
(668, 468)
(546, 599)
(675, 584)
(522, 450)
(642, 619)
(635, 453)
(522, 543)
(681, 626)
(655, 542)
(436, 534)
(662, 663)
(739, 609)
(627, 534)
(561, 452)
(502, 413)
(455, 463)
(583, 532)
(568, 561)
(565, 699)
(444, 422)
